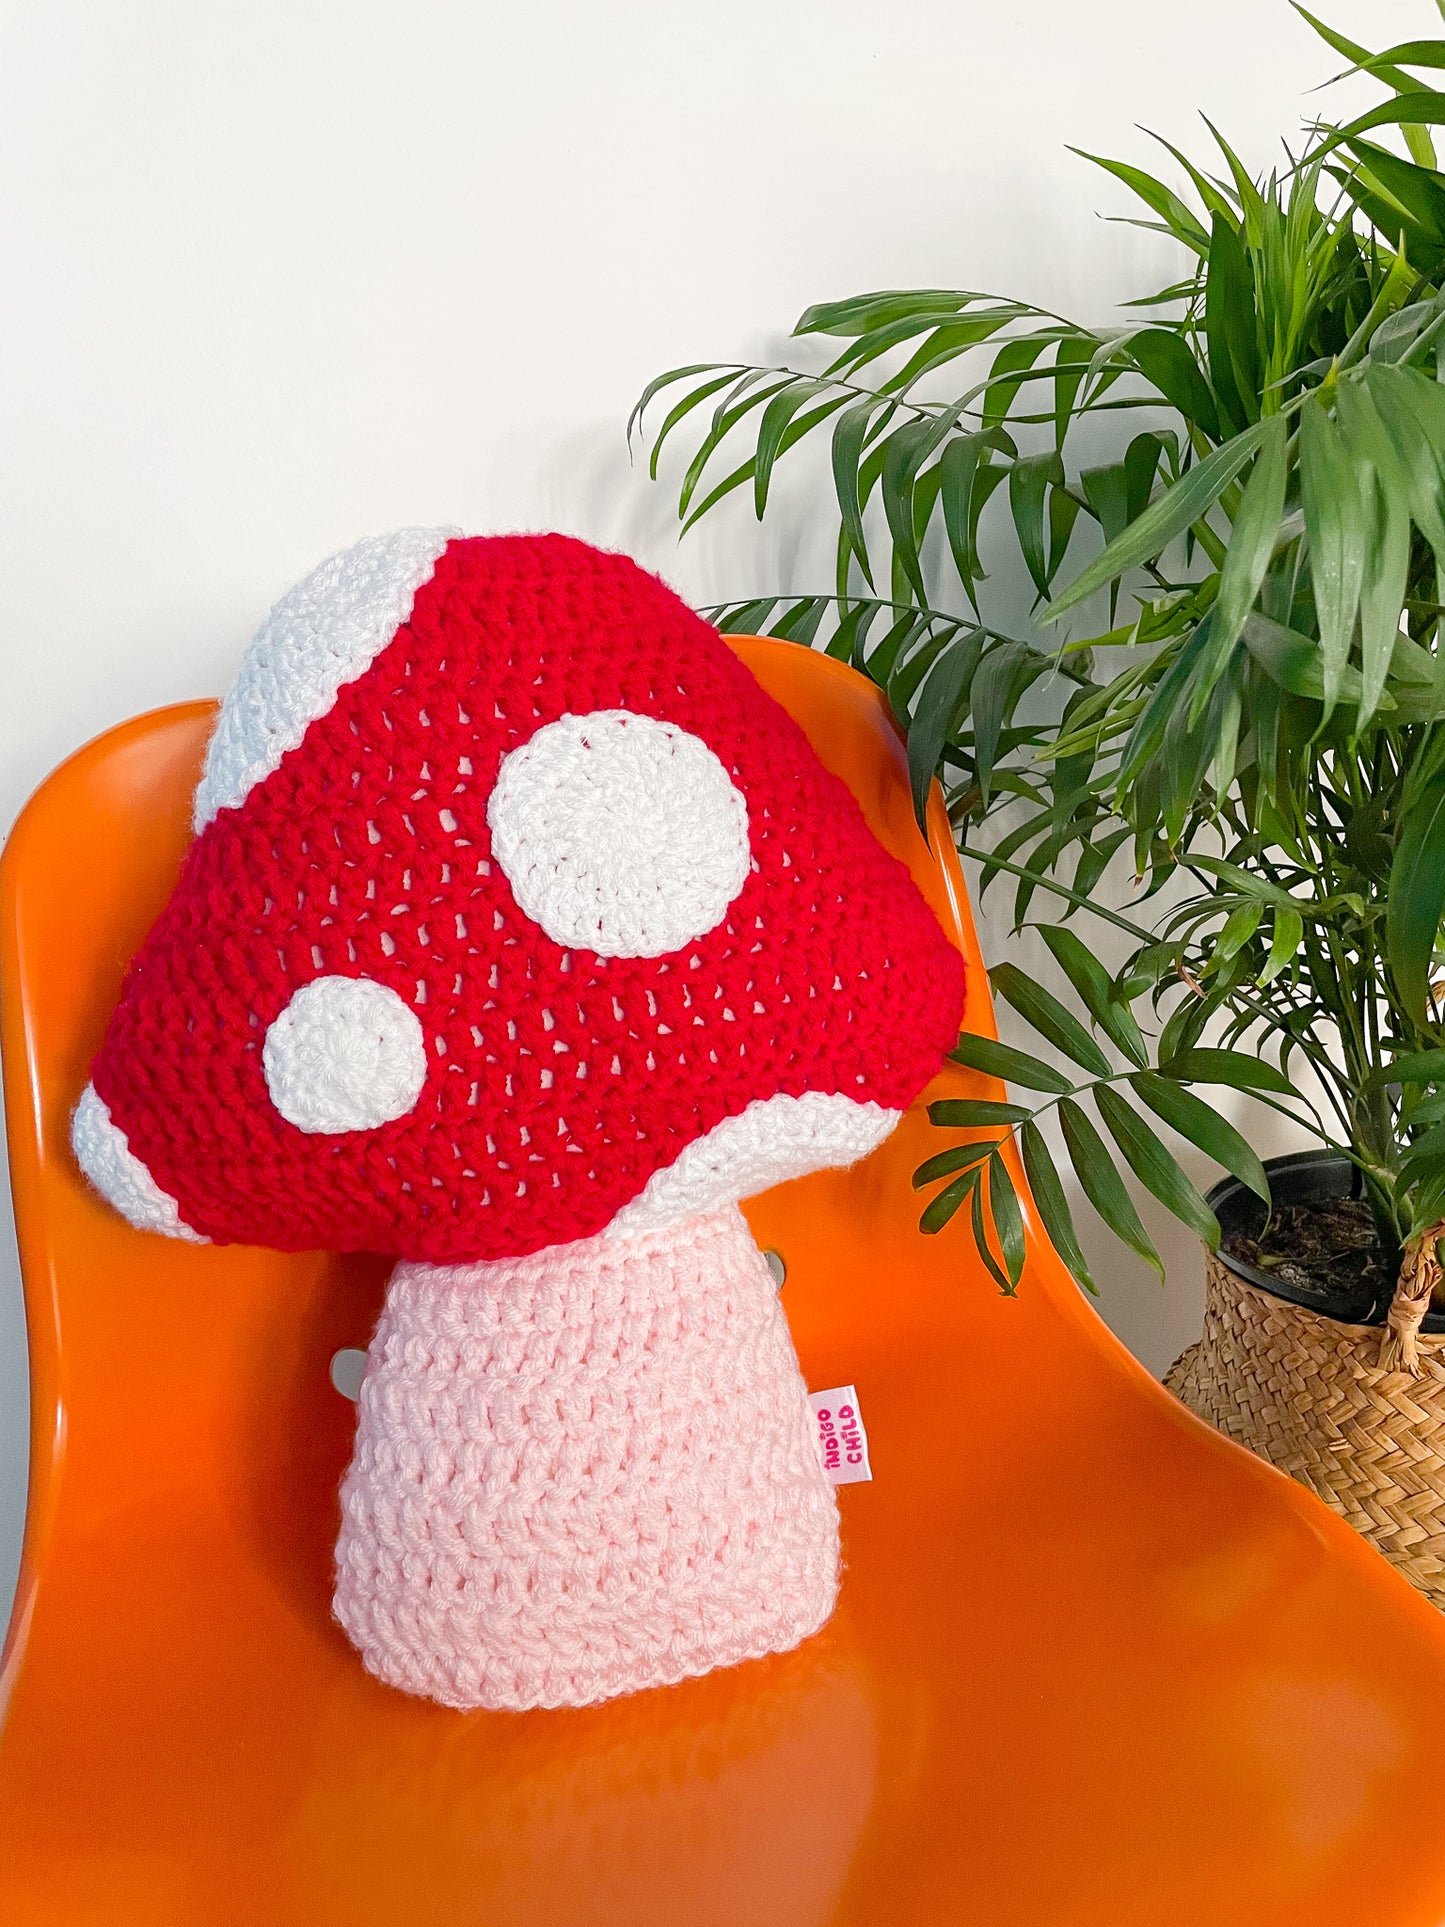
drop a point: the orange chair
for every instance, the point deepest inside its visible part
(1092, 1667)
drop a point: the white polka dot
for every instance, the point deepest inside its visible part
(346, 1054)
(619, 834)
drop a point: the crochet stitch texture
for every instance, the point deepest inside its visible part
(582, 1473)
(559, 1080)
(522, 936)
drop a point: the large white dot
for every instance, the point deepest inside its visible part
(346, 1054)
(619, 834)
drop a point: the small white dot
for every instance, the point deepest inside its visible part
(346, 1054)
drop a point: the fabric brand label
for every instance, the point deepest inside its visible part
(842, 1441)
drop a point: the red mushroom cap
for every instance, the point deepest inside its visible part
(351, 1028)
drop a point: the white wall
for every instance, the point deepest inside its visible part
(285, 272)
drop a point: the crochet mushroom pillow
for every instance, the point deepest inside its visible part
(522, 936)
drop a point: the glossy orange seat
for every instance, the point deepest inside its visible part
(1092, 1664)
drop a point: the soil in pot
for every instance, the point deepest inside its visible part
(1328, 1251)
(1319, 1247)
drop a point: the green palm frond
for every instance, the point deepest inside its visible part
(1231, 674)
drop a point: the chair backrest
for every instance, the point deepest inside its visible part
(1091, 1661)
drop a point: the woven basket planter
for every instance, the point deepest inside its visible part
(1306, 1392)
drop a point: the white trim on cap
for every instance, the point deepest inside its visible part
(324, 633)
(772, 1140)
(103, 1152)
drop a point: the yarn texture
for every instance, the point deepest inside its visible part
(774, 1139)
(345, 1054)
(327, 631)
(524, 935)
(103, 1153)
(582, 1473)
(559, 1079)
(619, 834)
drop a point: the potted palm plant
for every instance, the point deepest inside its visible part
(1238, 700)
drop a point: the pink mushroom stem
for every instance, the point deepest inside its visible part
(584, 1472)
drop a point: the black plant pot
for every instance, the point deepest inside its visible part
(1307, 1177)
